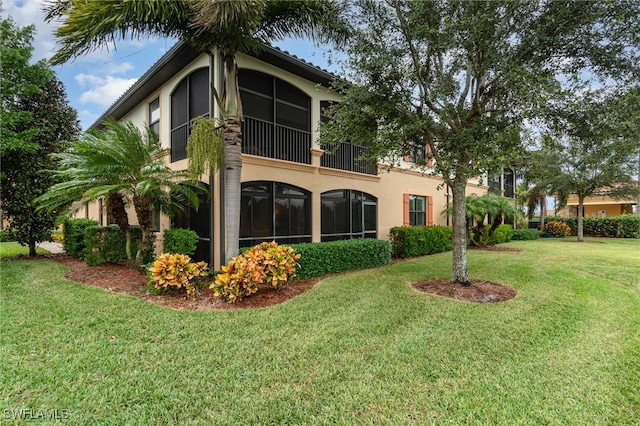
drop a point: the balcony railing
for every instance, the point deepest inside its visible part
(267, 139)
(348, 157)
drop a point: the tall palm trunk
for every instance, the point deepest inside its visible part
(232, 157)
(142, 206)
(459, 268)
(117, 209)
(232, 187)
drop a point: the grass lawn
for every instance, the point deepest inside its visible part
(359, 348)
(13, 249)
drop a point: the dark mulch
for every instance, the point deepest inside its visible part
(479, 291)
(122, 279)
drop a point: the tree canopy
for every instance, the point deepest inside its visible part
(36, 121)
(461, 77)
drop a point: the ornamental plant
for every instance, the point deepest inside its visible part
(265, 263)
(176, 271)
(557, 229)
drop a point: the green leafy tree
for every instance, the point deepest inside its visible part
(461, 76)
(232, 27)
(593, 149)
(125, 166)
(36, 121)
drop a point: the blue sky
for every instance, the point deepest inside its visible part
(94, 81)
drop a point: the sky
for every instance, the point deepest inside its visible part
(96, 80)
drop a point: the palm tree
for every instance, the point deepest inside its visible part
(477, 210)
(239, 26)
(124, 166)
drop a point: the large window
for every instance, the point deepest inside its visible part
(189, 100)
(277, 118)
(348, 214)
(274, 211)
(417, 210)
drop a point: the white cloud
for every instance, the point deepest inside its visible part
(103, 91)
(30, 12)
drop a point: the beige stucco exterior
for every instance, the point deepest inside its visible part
(599, 206)
(389, 186)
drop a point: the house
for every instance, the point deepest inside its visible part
(292, 191)
(600, 204)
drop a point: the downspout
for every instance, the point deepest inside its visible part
(211, 180)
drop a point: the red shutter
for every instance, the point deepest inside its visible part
(429, 210)
(405, 210)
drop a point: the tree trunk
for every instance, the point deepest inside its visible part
(32, 248)
(232, 187)
(142, 206)
(543, 211)
(580, 219)
(232, 157)
(117, 209)
(459, 267)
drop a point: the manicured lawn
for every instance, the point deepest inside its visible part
(359, 348)
(13, 249)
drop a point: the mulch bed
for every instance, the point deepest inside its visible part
(122, 279)
(479, 291)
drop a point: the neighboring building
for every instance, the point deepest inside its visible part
(292, 191)
(599, 205)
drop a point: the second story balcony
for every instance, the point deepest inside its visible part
(267, 139)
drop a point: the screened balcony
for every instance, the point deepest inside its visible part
(277, 118)
(347, 156)
(267, 139)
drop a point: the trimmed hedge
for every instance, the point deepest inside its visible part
(317, 259)
(180, 241)
(525, 234)
(623, 226)
(73, 236)
(410, 241)
(502, 234)
(107, 244)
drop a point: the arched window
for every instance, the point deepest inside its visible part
(348, 214)
(277, 118)
(189, 100)
(274, 211)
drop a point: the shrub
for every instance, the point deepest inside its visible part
(525, 234)
(502, 234)
(7, 235)
(73, 236)
(264, 263)
(279, 262)
(237, 280)
(624, 226)
(317, 259)
(557, 229)
(57, 235)
(571, 221)
(176, 271)
(409, 241)
(178, 240)
(107, 244)
(628, 226)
